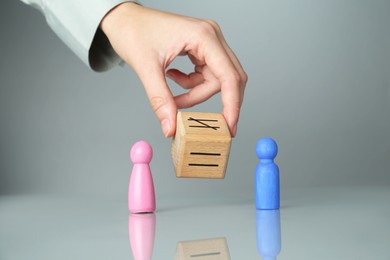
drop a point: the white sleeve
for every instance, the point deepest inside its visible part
(76, 22)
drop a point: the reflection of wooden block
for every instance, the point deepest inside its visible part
(201, 146)
(210, 249)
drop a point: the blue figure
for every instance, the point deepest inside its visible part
(267, 194)
(268, 233)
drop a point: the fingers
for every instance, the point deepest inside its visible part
(224, 70)
(217, 69)
(210, 50)
(233, 93)
(198, 91)
(186, 81)
(233, 57)
(160, 97)
(196, 95)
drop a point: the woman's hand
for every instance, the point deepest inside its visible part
(149, 40)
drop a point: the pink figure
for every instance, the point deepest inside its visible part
(141, 235)
(141, 188)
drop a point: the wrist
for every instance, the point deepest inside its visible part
(112, 19)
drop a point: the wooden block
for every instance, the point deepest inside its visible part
(210, 249)
(201, 145)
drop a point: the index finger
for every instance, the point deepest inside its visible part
(220, 64)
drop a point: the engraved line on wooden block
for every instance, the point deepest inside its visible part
(206, 254)
(207, 120)
(207, 154)
(203, 164)
(203, 125)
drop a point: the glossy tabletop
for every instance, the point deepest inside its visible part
(316, 223)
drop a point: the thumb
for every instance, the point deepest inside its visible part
(160, 98)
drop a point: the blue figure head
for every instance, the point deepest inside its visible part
(266, 148)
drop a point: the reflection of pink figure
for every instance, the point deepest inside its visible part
(141, 235)
(141, 188)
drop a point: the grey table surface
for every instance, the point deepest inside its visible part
(315, 223)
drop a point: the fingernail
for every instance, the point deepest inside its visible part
(234, 131)
(170, 75)
(166, 127)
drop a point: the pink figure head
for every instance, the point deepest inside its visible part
(141, 152)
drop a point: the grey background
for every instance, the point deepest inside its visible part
(319, 83)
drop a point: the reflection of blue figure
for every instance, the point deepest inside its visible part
(268, 233)
(267, 175)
